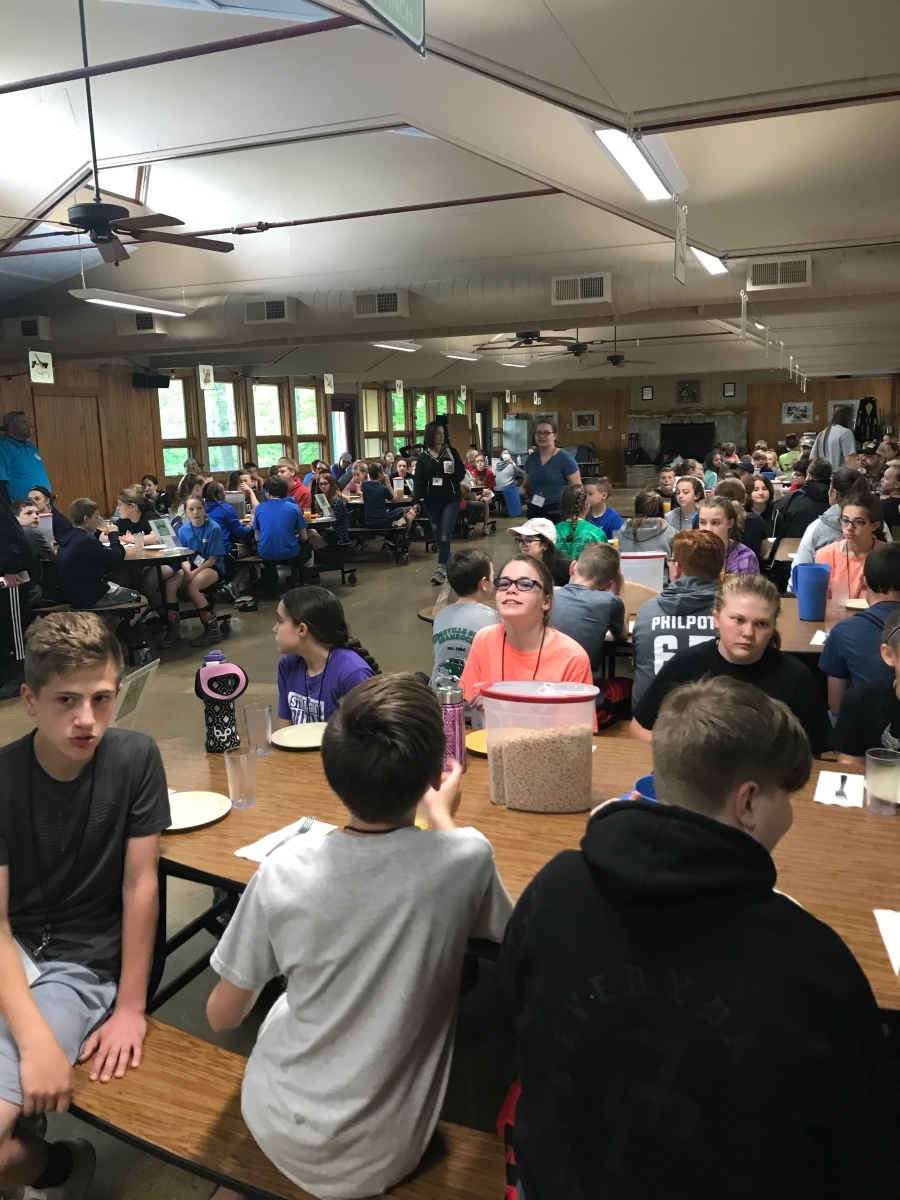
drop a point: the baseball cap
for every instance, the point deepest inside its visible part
(537, 525)
(9, 417)
(870, 447)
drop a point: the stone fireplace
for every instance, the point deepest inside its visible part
(730, 426)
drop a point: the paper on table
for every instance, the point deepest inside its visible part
(889, 925)
(257, 851)
(818, 638)
(830, 784)
(792, 553)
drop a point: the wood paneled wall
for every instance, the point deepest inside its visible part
(764, 401)
(127, 419)
(610, 439)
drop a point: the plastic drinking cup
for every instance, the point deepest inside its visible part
(882, 781)
(240, 767)
(259, 727)
(139, 543)
(810, 584)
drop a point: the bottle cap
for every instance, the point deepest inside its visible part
(214, 656)
(449, 693)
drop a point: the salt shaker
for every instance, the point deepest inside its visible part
(453, 712)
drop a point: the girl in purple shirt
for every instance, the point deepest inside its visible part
(321, 662)
(724, 518)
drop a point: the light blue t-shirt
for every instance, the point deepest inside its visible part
(205, 540)
(548, 479)
(22, 467)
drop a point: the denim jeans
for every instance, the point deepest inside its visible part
(442, 518)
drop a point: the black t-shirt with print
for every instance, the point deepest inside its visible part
(869, 719)
(80, 831)
(124, 525)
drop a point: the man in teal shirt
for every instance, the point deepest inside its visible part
(21, 465)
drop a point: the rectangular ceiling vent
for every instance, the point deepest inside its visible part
(27, 329)
(277, 310)
(130, 323)
(392, 302)
(580, 289)
(765, 274)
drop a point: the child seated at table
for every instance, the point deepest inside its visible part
(202, 570)
(599, 513)
(321, 662)
(369, 926)
(471, 575)
(282, 535)
(869, 717)
(573, 532)
(377, 497)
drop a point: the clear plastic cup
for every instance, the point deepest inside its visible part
(258, 718)
(540, 743)
(882, 781)
(139, 543)
(240, 767)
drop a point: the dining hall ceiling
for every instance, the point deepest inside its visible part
(782, 119)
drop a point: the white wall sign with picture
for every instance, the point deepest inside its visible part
(797, 412)
(329, 384)
(584, 422)
(207, 378)
(398, 387)
(462, 391)
(40, 367)
(834, 405)
(508, 395)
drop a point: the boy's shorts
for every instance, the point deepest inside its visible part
(73, 1001)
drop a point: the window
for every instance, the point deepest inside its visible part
(374, 424)
(398, 411)
(225, 458)
(268, 454)
(177, 440)
(461, 405)
(173, 460)
(267, 409)
(399, 443)
(421, 415)
(308, 452)
(221, 418)
(441, 404)
(312, 442)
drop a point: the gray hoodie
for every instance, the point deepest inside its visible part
(678, 618)
(823, 531)
(651, 534)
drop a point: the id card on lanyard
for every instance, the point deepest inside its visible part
(199, 559)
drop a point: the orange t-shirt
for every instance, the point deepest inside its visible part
(562, 661)
(845, 568)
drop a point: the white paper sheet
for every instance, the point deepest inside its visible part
(631, 626)
(257, 851)
(889, 926)
(830, 784)
(818, 638)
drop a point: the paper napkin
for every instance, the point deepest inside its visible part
(889, 925)
(830, 784)
(257, 851)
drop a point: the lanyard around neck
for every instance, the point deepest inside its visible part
(321, 680)
(537, 665)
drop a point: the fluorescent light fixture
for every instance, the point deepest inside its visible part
(758, 326)
(512, 364)
(714, 265)
(461, 356)
(132, 303)
(647, 161)
(406, 347)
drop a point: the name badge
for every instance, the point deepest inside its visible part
(538, 501)
(199, 560)
(437, 481)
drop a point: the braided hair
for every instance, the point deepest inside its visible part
(572, 506)
(323, 615)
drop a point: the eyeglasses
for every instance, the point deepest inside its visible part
(522, 584)
(524, 542)
(543, 433)
(854, 522)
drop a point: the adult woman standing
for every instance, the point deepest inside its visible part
(712, 465)
(547, 471)
(689, 492)
(760, 499)
(861, 519)
(722, 517)
(836, 442)
(648, 529)
(537, 539)
(523, 646)
(439, 473)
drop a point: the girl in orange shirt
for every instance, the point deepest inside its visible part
(861, 518)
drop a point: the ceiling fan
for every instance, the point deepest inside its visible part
(102, 222)
(523, 341)
(579, 350)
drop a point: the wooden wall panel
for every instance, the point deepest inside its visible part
(610, 439)
(129, 426)
(70, 445)
(764, 401)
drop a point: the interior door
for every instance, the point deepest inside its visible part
(613, 433)
(67, 433)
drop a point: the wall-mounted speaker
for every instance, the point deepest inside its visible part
(139, 380)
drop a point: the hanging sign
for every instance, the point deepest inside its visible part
(404, 17)
(462, 391)
(508, 395)
(398, 387)
(680, 268)
(40, 366)
(537, 397)
(329, 384)
(207, 378)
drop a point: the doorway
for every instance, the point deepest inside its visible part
(343, 427)
(483, 418)
(67, 430)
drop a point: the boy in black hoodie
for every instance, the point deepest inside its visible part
(685, 1031)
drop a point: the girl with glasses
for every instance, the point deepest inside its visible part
(861, 519)
(537, 539)
(523, 646)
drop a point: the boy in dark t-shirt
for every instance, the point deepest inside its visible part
(869, 718)
(81, 810)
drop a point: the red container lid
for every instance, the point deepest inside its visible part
(530, 691)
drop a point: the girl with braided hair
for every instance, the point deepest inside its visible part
(574, 532)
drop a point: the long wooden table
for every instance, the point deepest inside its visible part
(787, 548)
(839, 863)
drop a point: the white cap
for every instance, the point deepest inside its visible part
(537, 525)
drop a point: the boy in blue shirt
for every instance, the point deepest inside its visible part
(598, 512)
(281, 534)
(376, 498)
(205, 567)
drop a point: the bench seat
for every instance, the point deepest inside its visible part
(183, 1104)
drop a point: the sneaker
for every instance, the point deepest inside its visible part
(36, 1124)
(76, 1186)
(173, 636)
(11, 688)
(439, 576)
(208, 635)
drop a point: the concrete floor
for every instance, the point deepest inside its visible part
(381, 611)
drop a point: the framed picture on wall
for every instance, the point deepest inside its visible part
(728, 390)
(688, 391)
(540, 415)
(797, 412)
(647, 392)
(585, 422)
(834, 405)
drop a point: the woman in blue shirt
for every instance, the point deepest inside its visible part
(205, 567)
(547, 471)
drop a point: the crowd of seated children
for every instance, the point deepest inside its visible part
(869, 717)
(281, 533)
(482, 475)
(725, 518)
(537, 539)
(648, 529)
(402, 477)
(712, 469)
(573, 532)
(369, 930)
(861, 519)
(508, 473)
(320, 661)
(203, 570)
(598, 511)
(590, 604)
(750, 527)
(689, 491)
(851, 655)
(827, 528)
(681, 615)
(666, 488)
(189, 486)
(791, 453)
(380, 512)
(157, 501)
(470, 574)
(98, 801)
(45, 587)
(745, 613)
(683, 1029)
(352, 489)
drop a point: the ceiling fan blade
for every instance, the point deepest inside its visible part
(644, 362)
(151, 221)
(182, 239)
(112, 251)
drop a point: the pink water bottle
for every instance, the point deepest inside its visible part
(453, 711)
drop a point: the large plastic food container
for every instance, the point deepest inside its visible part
(540, 741)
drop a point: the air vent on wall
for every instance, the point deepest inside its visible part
(274, 310)
(579, 289)
(26, 329)
(390, 302)
(766, 273)
(128, 324)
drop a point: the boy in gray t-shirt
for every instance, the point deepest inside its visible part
(471, 575)
(589, 606)
(369, 926)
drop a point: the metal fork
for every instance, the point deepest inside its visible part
(305, 826)
(840, 794)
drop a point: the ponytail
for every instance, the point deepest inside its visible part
(322, 613)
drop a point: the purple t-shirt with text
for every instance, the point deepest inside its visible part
(303, 698)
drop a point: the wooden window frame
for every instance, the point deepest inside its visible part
(192, 438)
(324, 420)
(285, 396)
(381, 433)
(241, 438)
